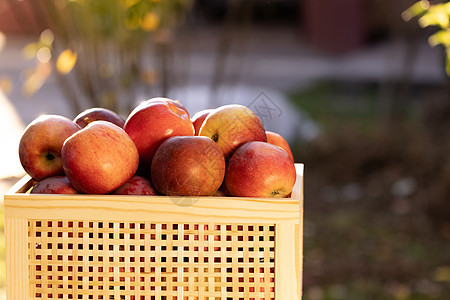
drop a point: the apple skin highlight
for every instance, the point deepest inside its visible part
(41, 143)
(99, 158)
(231, 126)
(151, 123)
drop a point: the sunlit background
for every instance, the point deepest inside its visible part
(358, 87)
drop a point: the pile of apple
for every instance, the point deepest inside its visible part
(158, 150)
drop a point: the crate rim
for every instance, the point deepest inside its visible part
(18, 192)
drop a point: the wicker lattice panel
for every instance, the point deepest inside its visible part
(143, 261)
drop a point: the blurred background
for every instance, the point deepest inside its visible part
(358, 88)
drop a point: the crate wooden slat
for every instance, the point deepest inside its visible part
(139, 247)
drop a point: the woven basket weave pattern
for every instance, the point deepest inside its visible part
(129, 260)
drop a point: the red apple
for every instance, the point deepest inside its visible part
(259, 169)
(136, 185)
(98, 114)
(99, 158)
(40, 145)
(54, 185)
(277, 140)
(188, 166)
(231, 126)
(198, 119)
(151, 123)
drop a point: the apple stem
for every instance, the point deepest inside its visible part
(276, 192)
(215, 137)
(50, 156)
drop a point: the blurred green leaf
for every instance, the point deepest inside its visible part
(446, 7)
(442, 274)
(129, 3)
(30, 50)
(435, 15)
(440, 37)
(46, 39)
(150, 22)
(415, 10)
(66, 61)
(447, 65)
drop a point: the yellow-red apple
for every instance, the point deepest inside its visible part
(259, 169)
(54, 185)
(40, 145)
(136, 185)
(98, 114)
(151, 123)
(277, 140)
(99, 158)
(198, 119)
(231, 126)
(188, 166)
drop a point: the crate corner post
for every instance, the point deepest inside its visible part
(16, 232)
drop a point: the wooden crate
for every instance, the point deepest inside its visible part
(139, 247)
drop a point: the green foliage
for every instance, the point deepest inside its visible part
(104, 51)
(361, 239)
(437, 15)
(330, 103)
